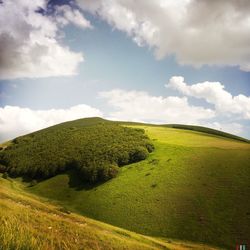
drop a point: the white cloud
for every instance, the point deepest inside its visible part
(196, 32)
(66, 14)
(140, 106)
(137, 106)
(30, 44)
(227, 115)
(214, 93)
(16, 121)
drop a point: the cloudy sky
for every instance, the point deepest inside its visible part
(161, 61)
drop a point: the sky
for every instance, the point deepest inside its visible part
(161, 61)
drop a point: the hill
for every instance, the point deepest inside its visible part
(207, 131)
(26, 221)
(95, 148)
(193, 186)
(193, 128)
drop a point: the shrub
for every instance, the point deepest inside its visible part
(140, 153)
(150, 147)
(107, 172)
(123, 159)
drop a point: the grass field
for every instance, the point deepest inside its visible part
(194, 187)
(29, 223)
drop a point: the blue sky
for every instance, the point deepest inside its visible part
(110, 74)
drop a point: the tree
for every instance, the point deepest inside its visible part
(140, 153)
(107, 172)
(123, 158)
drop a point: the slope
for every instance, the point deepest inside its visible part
(29, 223)
(194, 186)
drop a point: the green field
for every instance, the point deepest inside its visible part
(193, 187)
(30, 223)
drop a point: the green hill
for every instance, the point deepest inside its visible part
(194, 186)
(207, 131)
(193, 128)
(30, 223)
(95, 148)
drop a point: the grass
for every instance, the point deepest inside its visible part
(194, 187)
(207, 131)
(194, 128)
(29, 223)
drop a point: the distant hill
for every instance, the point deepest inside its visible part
(208, 131)
(193, 128)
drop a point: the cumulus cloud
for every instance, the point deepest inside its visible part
(30, 43)
(140, 106)
(16, 121)
(226, 115)
(65, 14)
(215, 94)
(196, 32)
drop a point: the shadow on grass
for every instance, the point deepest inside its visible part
(75, 180)
(78, 183)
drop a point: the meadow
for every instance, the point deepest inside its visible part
(193, 186)
(31, 223)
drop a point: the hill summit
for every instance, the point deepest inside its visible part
(94, 147)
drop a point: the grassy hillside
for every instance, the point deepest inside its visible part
(194, 186)
(207, 131)
(29, 223)
(194, 128)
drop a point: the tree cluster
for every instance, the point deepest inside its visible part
(96, 151)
